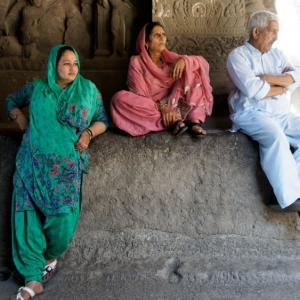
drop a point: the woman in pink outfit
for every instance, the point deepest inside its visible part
(166, 90)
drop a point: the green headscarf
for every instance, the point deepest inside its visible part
(77, 93)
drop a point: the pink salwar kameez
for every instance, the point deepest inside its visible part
(136, 112)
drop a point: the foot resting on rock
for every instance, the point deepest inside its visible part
(49, 270)
(31, 289)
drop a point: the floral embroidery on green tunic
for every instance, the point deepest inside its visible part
(48, 168)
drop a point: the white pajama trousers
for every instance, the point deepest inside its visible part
(276, 136)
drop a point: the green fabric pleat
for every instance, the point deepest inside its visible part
(36, 238)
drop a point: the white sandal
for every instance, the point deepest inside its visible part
(27, 289)
(48, 269)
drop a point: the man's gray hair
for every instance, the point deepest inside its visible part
(260, 19)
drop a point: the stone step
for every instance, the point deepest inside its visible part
(204, 278)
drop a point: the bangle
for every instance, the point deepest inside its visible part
(161, 105)
(89, 131)
(16, 116)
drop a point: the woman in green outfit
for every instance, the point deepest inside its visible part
(65, 113)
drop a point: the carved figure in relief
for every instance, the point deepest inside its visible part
(233, 15)
(122, 14)
(4, 8)
(179, 13)
(217, 10)
(87, 11)
(230, 9)
(161, 10)
(34, 26)
(216, 13)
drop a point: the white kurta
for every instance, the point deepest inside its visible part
(268, 121)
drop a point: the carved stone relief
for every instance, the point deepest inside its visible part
(30, 28)
(117, 17)
(106, 30)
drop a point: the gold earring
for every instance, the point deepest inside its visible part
(147, 48)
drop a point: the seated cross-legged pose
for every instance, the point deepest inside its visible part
(65, 113)
(166, 90)
(259, 77)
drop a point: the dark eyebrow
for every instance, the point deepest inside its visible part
(68, 60)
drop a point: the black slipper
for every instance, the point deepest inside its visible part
(192, 132)
(180, 130)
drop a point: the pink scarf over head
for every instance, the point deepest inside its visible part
(193, 87)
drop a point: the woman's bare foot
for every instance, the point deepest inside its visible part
(178, 127)
(195, 128)
(35, 286)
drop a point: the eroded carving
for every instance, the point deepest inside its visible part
(4, 8)
(32, 27)
(116, 17)
(200, 14)
(214, 49)
(207, 27)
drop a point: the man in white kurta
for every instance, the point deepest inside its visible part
(259, 77)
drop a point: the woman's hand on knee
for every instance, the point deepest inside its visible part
(168, 116)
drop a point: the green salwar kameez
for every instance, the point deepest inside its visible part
(48, 175)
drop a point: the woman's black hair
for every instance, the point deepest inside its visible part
(61, 51)
(149, 28)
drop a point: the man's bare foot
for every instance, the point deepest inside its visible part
(35, 286)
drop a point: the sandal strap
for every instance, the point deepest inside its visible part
(191, 124)
(27, 289)
(49, 268)
(19, 297)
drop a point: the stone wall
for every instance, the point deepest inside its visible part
(104, 32)
(171, 208)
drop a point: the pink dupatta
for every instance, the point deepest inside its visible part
(193, 87)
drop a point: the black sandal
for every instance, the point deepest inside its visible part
(180, 130)
(194, 133)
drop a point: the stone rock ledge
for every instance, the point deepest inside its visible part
(158, 210)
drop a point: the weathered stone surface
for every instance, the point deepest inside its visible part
(160, 209)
